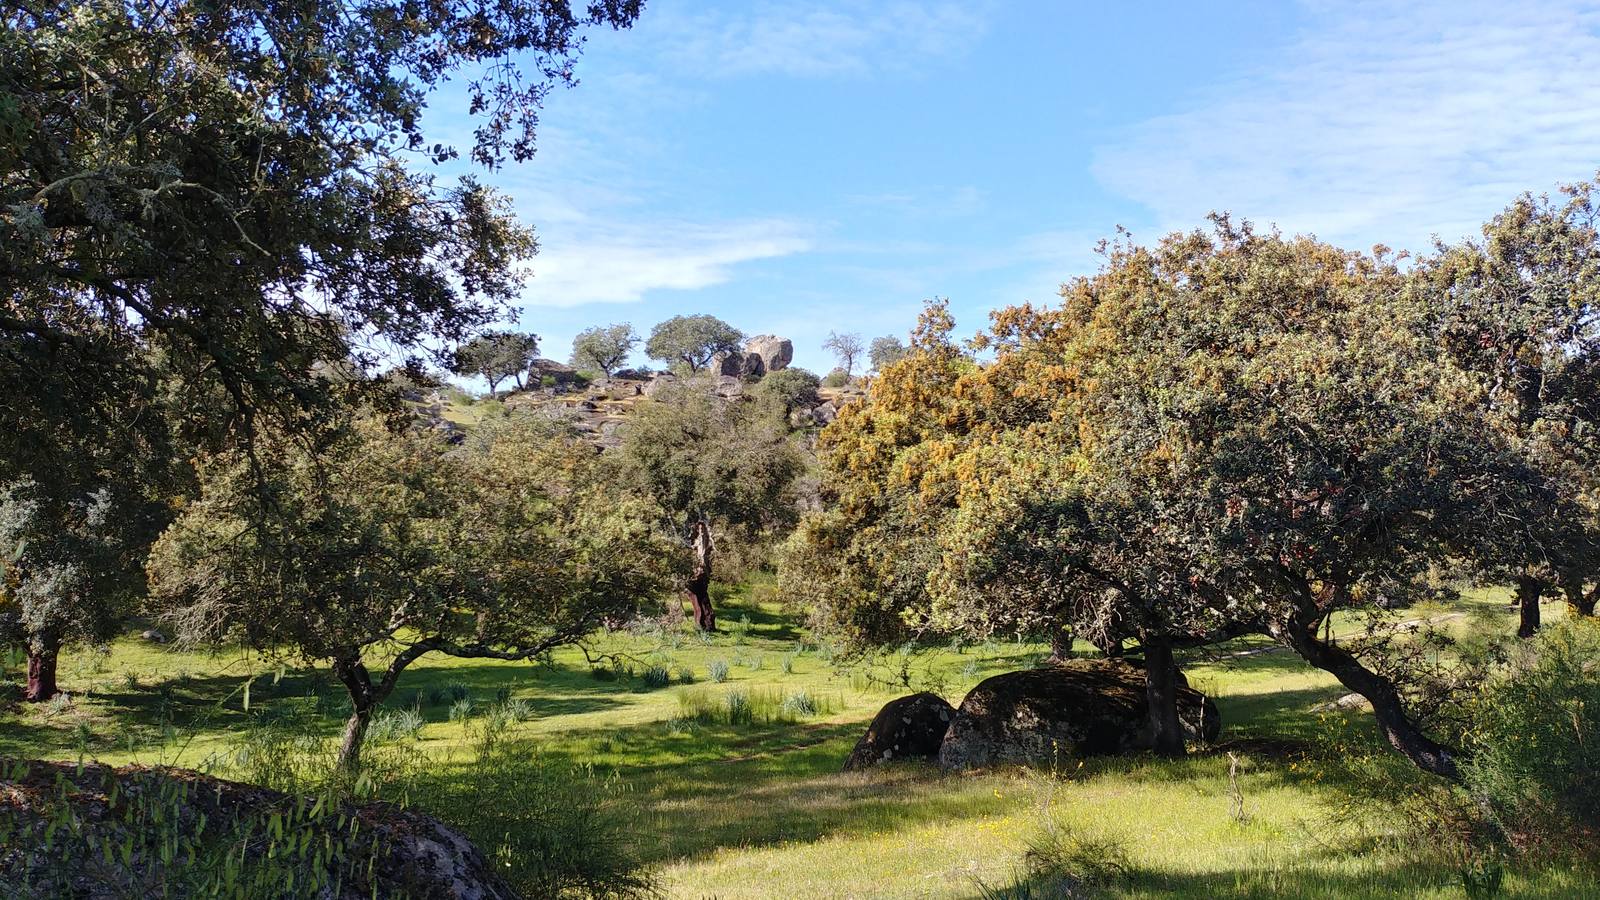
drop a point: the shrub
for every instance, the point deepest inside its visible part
(449, 692)
(838, 378)
(789, 388)
(394, 725)
(799, 704)
(685, 675)
(718, 669)
(147, 843)
(1535, 738)
(737, 709)
(461, 710)
(657, 677)
(786, 663)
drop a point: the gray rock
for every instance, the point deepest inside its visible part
(824, 413)
(908, 728)
(1083, 707)
(153, 636)
(775, 352)
(659, 383)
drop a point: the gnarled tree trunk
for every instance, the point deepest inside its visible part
(1397, 727)
(364, 699)
(43, 652)
(1161, 693)
(1060, 643)
(1528, 590)
(699, 584)
(1581, 601)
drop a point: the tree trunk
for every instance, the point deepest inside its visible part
(1060, 643)
(42, 656)
(355, 732)
(1582, 602)
(1397, 727)
(1161, 693)
(363, 700)
(699, 586)
(1528, 591)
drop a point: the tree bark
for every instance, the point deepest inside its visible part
(1060, 643)
(1161, 693)
(363, 700)
(1528, 591)
(1397, 727)
(42, 656)
(699, 585)
(1581, 601)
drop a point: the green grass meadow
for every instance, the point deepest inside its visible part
(753, 805)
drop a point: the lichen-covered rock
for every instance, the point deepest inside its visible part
(1082, 707)
(148, 831)
(908, 728)
(775, 353)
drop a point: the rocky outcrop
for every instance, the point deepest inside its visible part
(738, 365)
(1081, 707)
(662, 381)
(559, 373)
(179, 833)
(775, 353)
(908, 728)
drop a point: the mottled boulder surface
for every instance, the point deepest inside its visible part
(152, 831)
(775, 353)
(908, 728)
(1083, 707)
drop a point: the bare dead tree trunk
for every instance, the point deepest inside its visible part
(1397, 727)
(43, 652)
(699, 585)
(1161, 693)
(1528, 590)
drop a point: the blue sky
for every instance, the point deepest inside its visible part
(800, 167)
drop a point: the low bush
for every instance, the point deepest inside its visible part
(1535, 740)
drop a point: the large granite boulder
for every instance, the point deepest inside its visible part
(663, 381)
(1082, 707)
(138, 831)
(774, 352)
(734, 364)
(908, 728)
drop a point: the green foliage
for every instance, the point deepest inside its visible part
(717, 670)
(384, 544)
(157, 839)
(495, 356)
(604, 349)
(259, 196)
(789, 389)
(688, 343)
(836, 378)
(656, 676)
(1535, 738)
(885, 352)
(561, 834)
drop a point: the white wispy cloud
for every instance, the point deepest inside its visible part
(620, 262)
(1383, 122)
(808, 40)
